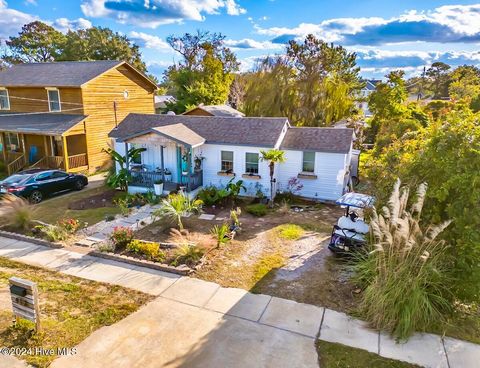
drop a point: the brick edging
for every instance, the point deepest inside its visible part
(94, 253)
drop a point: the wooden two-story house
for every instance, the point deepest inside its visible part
(58, 115)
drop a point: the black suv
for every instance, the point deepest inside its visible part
(36, 184)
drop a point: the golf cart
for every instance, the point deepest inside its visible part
(349, 234)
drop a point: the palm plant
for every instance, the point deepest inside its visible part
(220, 233)
(405, 272)
(234, 189)
(176, 206)
(273, 156)
(121, 177)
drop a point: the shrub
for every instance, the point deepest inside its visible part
(70, 225)
(257, 209)
(220, 233)
(211, 195)
(234, 217)
(406, 287)
(290, 231)
(121, 236)
(16, 212)
(123, 204)
(150, 250)
(53, 233)
(189, 254)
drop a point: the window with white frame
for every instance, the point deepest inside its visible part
(12, 142)
(308, 164)
(227, 161)
(4, 100)
(251, 163)
(54, 99)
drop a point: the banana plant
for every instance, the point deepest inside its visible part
(121, 177)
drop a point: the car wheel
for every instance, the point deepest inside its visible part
(36, 197)
(78, 185)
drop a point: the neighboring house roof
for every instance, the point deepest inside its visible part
(181, 134)
(161, 101)
(217, 110)
(371, 84)
(334, 140)
(42, 123)
(58, 74)
(263, 132)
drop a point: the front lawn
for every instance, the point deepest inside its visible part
(57, 208)
(71, 309)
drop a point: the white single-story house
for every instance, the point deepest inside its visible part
(196, 151)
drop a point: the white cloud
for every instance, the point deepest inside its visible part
(233, 8)
(11, 20)
(64, 24)
(149, 41)
(153, 13)
(248, 43)
(31, 2)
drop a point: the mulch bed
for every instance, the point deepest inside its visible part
(104, 199)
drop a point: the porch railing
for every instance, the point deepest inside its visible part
(12, 156)
(50, 162)
(77, 161)
(146, 179)
(16, 165)
(192, 181)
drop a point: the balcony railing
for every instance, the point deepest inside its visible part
(146, 179)
(50, 162)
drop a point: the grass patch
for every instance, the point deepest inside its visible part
(56, 208)
(257, 209)
(290, 231)
(71, 309)
(333, 355)
(265, 264)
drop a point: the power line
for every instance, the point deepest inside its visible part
(39, 99)
(40, 112)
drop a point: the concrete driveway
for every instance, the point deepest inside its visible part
(169, 333)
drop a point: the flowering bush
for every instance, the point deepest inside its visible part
(294, 185)
(70, 225)
(121, 236)
(150, 250)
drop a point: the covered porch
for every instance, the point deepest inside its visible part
(171, 155)
(34, 141)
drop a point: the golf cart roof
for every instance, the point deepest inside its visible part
(358, 200)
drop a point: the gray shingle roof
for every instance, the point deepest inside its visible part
(263, 132)
(334, 140)
(58, 74)
(51, 124)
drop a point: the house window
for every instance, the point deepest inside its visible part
(4, 101)
(54, 99)
(12, 142)
(251, 163)
(227, 161)
(308, 162)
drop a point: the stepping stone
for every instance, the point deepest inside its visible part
(220, 219)
(191, 291)
(97, 237)
(338, 327)
(87, 242)
(205, 216)
(239, 303)
(422, 349)
(302, 318)
(147, 280)
(461, 353)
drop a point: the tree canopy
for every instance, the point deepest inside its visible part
(39, 42)
(205, 72)
(314, 84)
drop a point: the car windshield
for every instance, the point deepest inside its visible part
(17, 178)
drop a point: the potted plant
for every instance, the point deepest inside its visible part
(158, 187)
(168, 175)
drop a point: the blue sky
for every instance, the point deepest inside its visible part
(385, 34)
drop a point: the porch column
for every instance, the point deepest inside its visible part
(45, 144)
(127, 159)
(162, 163)
(4, 148)
(52, 148)
(24, 150)
(189, 170)
(65, 152)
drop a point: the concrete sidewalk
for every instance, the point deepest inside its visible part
(199, 323)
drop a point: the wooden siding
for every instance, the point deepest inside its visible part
(35, 99)
(98, 97)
